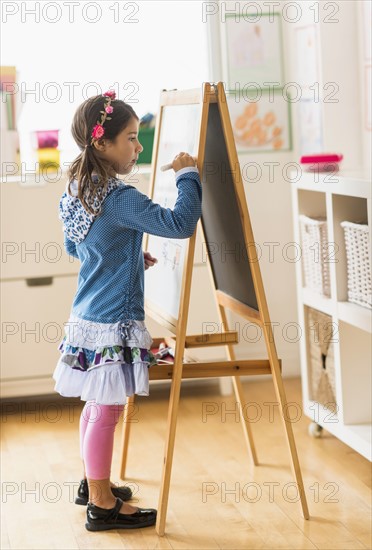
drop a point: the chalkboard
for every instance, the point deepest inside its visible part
(221, 219)
(194, 124)
(179, 131)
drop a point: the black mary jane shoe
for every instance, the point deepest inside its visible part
(102, 519)
(83, 493)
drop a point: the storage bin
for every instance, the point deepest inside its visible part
(321, 359)
(357, 244)
(314, 241)
(45, 138)
(48, 159)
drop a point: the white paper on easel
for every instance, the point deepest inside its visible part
(179, 132)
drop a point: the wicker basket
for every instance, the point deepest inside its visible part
(321, 359)
(358, 263)
(314, 254)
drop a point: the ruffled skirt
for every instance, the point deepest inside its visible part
(104, 362)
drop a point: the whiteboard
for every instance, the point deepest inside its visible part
(179, 131)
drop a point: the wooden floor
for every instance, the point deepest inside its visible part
(217, 499)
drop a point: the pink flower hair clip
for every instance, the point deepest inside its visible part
(98, 130)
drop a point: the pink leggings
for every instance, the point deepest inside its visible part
(97, 427)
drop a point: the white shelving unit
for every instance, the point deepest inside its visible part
(338, 197)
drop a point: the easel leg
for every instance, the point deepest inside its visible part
(281, 396)
(239, 393)
(129, 407)
(247, 430)
(169, 447)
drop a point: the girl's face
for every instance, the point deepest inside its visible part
(122, 153)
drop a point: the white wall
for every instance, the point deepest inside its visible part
(364, 25)
(65, 55)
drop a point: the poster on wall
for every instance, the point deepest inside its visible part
(310, 126)
(261, 125)
(307, 57)
(253, 50)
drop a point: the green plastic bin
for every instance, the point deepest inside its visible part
(146, 139)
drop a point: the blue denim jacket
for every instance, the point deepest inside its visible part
(111, 276)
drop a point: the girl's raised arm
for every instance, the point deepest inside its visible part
(135, 210)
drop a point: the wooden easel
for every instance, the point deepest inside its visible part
(216, 142)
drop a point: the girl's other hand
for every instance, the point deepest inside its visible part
(182, 160)
(149, 260)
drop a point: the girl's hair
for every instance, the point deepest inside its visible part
(90, 192)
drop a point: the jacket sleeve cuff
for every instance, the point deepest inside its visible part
(183, 171)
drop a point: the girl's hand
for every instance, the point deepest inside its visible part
(182, 160)
(149, 260)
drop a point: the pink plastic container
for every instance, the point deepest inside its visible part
(46, 139)
(321, 162)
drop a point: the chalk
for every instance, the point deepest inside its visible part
(169, 166)
(163, 352)
(166, 167)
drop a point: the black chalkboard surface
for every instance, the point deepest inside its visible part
(221, 218)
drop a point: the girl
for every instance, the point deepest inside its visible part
(105, 352)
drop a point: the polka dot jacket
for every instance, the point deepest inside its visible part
(111, 276)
